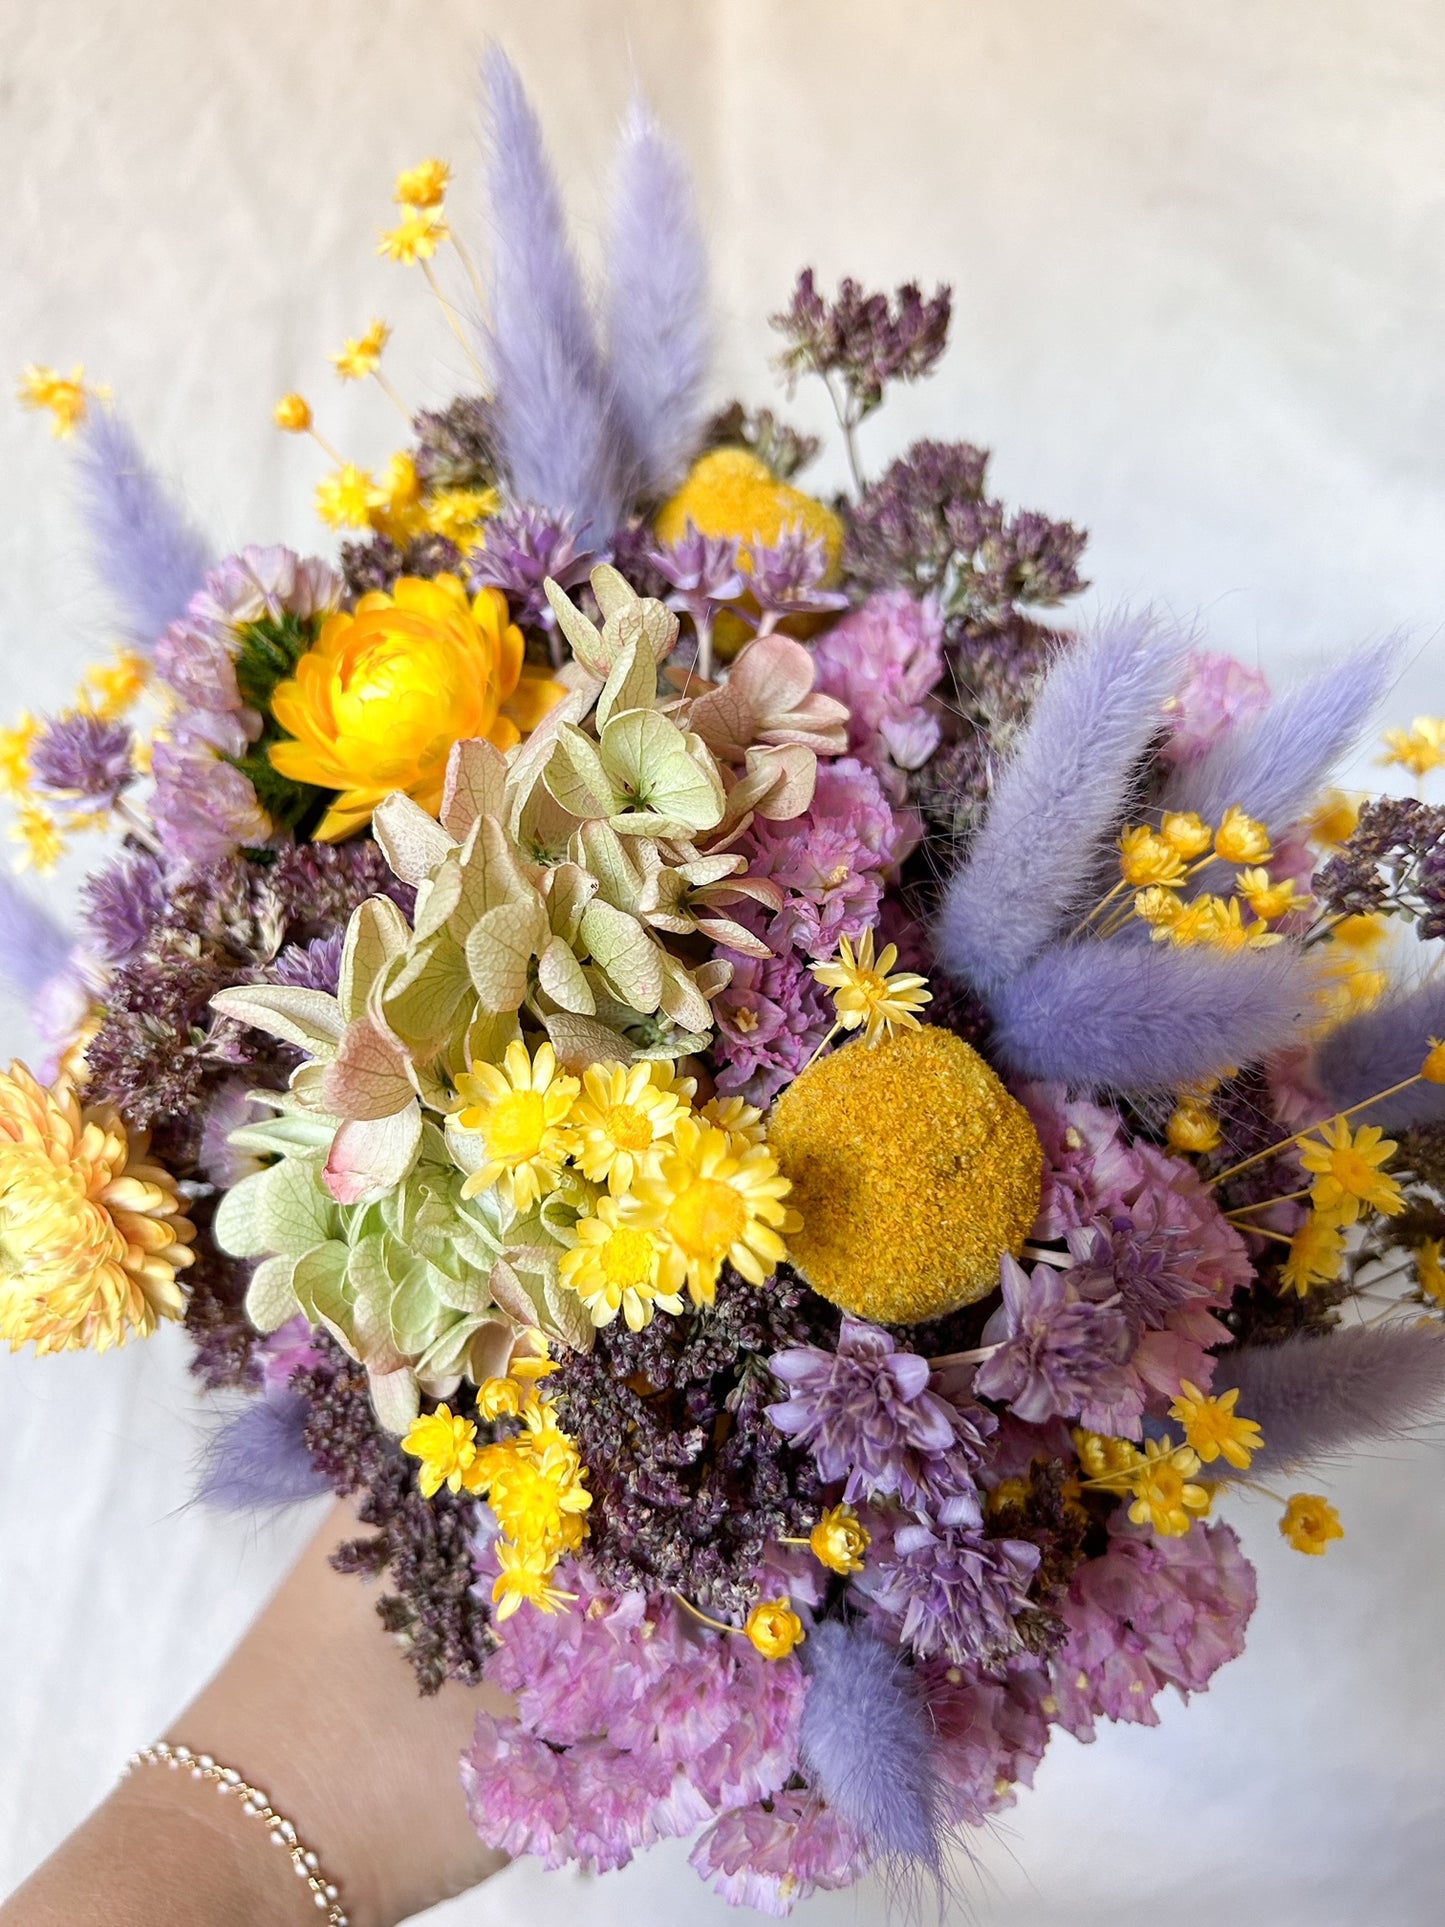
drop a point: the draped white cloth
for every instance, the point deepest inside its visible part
(1199, 261)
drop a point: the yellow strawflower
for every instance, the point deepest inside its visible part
(615, 1267)
(1430, 1269)
(1194, 1128)
(1310, 1522)
(1213, 1428)
(1240, 838)
(1420, 748)
(416, 237)
(386, 690)
(292, 413)
(522, 1111)
(1106, 1460)
(1347, 1174)
(360, 355)
(1148, 860)
(424, 185)
(1316, 1253)
(1189, 834)
(446, 1444)
(1158, 907)
(1334, 819)
(866, 996)
(92, 1234)
(624, 1117)
(1268, 899)
(15, 747)
(348, 497)
(401, 515)
(718, 1200)
(38, 834)
(1227, 929)
(119, 684)
(840, 1539)
(1164, 1492)
(774, 1628)
(64, 397)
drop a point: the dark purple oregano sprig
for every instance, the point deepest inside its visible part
(1393, 861)
(858, 343)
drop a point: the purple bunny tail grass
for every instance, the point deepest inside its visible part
(1314, 1398)
(145, 552)
(1382, 1047)
(1132, 1016)
(259, 1458)
(867, 1745)
(1034, 864)
(659, 335)
(1275, 763)
(34, 947)
(556, 426)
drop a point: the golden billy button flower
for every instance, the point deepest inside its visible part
(92, 1234)
(774, 1628)
(380, 698)
(840, 1539)
(913, 1170)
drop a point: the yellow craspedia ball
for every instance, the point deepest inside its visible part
(913, 1169)
(729, 491)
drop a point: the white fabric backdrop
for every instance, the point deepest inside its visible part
(1199, 259)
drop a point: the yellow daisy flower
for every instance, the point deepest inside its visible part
(719, 1200)
(1316, 1253)
(346, 498)
(446, 1444)
(15, 747)
(1186, 832)
(1268, 899)
(361, 355)
(739, 1118)
(40, 839)
(1430, 1269)
(866, 997)
(1194, 1128)
(1420, 748)
(1158, 907)
(416, 237)
(1164, 1492)
(64, 397)
(1213, 1428)
(424, 185)
(614, 1267)
(526, 1574)
(117, 685)
(521, 1111)
(624, 1117)
(1347, 1174)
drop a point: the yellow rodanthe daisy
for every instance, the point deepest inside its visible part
(361, 355)
(614, 1266)
(65, 398)
(92, 1234)
(424, 185)
(1241, 838)
(446, 1444)
(718, 1200)
(1316, 1253)
(521, 1111)
(1347, 1174)
(624, 1117)
(416, 237)
(347, 498)
(1148, 860)
(1310, 1522)
(1214, 1429)
(866, 996)
(1420, 748)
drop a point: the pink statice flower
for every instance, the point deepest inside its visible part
(991, 1733)
(770, 1020)
(883, 662)
(289, 1349)
(1219, 692)
(1150, 1613)
(769, 1857)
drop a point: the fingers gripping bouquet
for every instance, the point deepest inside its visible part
(785, 1128)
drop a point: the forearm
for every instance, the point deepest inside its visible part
(318, 1709)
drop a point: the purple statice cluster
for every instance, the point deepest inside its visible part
(884, 661)
(863, 341)
(635, 1723)
(1150, 1613)
(205, 805)
(1393, 860)
(831, 864)
(1146, 1248)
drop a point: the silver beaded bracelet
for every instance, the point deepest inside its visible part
(225, 1779)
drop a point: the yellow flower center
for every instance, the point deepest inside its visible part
(707, 1219)
(628, 1128)
(747, 1020)
(1352, 1173)
(627, 1259)
(515, 1127)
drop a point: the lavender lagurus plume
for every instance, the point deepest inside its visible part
(1382, 1047)
(258, 1460)
(34, 947)
(144, 550)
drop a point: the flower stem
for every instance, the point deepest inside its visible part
(718, 1625)
(1299, 1137)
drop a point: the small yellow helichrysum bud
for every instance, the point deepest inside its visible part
(774, 1628)
(293, 414)
(839, 1540)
